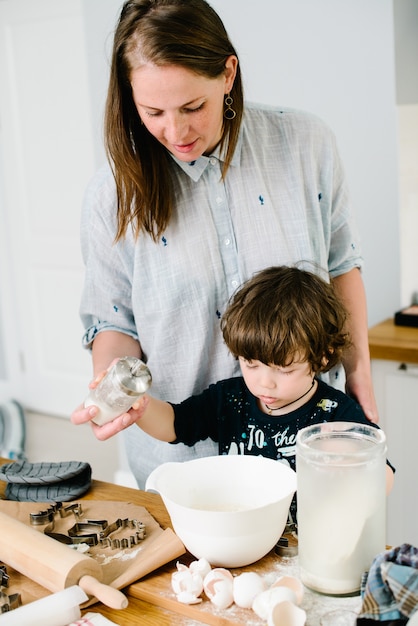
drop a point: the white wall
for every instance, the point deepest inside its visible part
(408, 181)
(406, 50)
(335, 59)
(406, 55)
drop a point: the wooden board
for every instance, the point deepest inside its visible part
(156, 589)
(120, 567)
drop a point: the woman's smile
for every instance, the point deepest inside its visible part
(186, 147)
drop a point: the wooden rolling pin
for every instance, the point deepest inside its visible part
(51, 564)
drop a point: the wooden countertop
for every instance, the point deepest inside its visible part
(137, 611)
(393, 343)
(143, 608)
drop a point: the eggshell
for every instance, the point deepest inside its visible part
(286, 614)
(188, 598)
(266, 600)
(246, 587)
(218, 586)
(202, 567)
(186, 585)
(292, 583)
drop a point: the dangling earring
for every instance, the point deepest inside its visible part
(229, 112)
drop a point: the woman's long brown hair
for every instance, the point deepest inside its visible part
(186, 33)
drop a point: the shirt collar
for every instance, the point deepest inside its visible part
(195, 169)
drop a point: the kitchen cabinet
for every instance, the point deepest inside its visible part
(394, 354)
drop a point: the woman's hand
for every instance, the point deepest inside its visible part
(83, 415)
(108, 347)
(360, 388)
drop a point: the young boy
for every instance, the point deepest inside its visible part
(285, 326)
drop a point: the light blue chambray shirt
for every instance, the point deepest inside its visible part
(284, 200)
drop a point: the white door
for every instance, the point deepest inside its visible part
(46, 159)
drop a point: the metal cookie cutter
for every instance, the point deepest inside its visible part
(7, 602)
(124, 542)
(45, 517)
(103, 530)
(74, 508)
(4, 576)
(90, 532)
(288, 542)
(87, 531)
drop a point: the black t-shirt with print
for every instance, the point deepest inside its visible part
(228, 413)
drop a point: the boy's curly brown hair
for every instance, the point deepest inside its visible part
(284, 314)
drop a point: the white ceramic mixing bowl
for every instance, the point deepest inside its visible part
(230, 510)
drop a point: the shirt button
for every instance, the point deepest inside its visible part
(219, 200)
(227, 241)
(212, 161)
(234, 283)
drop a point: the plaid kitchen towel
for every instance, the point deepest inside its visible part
(46, 481)
(390, 588)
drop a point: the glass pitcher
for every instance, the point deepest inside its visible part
(341, 497)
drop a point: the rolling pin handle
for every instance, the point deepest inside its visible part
(108, 595)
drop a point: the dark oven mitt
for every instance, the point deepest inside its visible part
(46, 482)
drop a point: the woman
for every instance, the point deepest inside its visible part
(202, 192)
